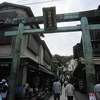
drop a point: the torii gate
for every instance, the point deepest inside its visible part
(50, 20)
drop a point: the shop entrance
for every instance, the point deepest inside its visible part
(50, 20)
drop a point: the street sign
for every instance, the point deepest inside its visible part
(49, 15)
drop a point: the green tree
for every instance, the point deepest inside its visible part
(61, 60)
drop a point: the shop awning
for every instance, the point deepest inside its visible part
(79, 68)
(38, 67)
(43, 69)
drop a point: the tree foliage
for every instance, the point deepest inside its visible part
(62, 60)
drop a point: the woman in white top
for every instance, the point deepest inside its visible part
(69, 91)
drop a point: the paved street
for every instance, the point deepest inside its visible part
(62, 96)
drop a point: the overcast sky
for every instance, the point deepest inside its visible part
(60, 43)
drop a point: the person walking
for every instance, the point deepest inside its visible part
(56, 89)
(4, 89)
(65, 83)
(97, 90)
(19, 92)
(0, 90)
(69, 91)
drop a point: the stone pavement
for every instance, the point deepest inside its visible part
(78, 96)
(62, 97)
(81, 96)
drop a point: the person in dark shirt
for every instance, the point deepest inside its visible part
(56, 89)
(19, 92)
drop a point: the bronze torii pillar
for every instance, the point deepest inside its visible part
(88, 55)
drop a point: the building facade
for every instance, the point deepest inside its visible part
(35, 57)
(80, 71)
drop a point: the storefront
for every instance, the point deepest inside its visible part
(79, 78)
(5, 65)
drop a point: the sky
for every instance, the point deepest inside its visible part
(60, 43)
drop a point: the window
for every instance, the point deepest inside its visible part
(4, 40)
(33, 45)
(47, 57)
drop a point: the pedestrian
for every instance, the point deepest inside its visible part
(69, 91)
(4, 89)
(30, 92)
(0, 90)
(97, 90)
(61, 83)
(56, 89)
(19, 92)
(65, 83)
